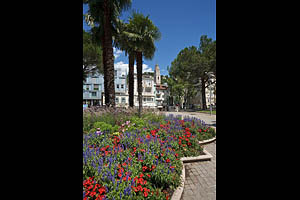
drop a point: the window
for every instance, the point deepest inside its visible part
(117, 99)
(87, 87)
(149, 99)
(94, 94)
(148, 89)
(144, 99)
(123, 100)
(122, 86)
(96, 87)
(117, 85)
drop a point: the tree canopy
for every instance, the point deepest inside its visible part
(192, 66)
(92, 55)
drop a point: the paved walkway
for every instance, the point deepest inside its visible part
(200, 180)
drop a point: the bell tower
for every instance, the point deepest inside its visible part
(157, 75)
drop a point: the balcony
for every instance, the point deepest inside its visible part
(88, 95)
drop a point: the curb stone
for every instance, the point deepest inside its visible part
(205, 157)
(179, 190)
(208, 141)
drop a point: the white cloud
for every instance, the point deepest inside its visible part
(117, 52)
(123, 65)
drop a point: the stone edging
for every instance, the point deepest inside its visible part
(206, 156)
(178, 192)
(208, 141)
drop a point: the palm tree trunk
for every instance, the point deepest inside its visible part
(131, 80)
(106, 94)
(109, 54)
(204, 107)
(139, 65)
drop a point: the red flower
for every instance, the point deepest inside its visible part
(153, 132)
(140, 180)
(168, 160)
(139, 188)
(145, 194)
(144, 168)
(101, 190)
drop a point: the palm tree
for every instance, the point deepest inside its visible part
(142, 33)
(105, 14)
(124, 42)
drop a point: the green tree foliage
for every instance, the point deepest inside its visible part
(92, 56)
(137, 38)
(105, 14)
(191, 67)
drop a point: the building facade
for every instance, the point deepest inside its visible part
(92, 90)
(161, 92)
(148, 91)
(210, 95)
(154, 93)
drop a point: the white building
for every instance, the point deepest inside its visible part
(148, 91)
(161, 89)
(154, 93)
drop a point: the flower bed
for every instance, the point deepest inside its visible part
(140, 160)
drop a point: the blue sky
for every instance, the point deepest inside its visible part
(181, 24)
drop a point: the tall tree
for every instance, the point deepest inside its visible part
(105, 14)
(193, 64)
(123, 41)
(207, 49)
(142, 33)
(183, 71)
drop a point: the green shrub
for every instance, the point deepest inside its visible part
(103, 126)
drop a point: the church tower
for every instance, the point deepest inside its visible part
(157, 75)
